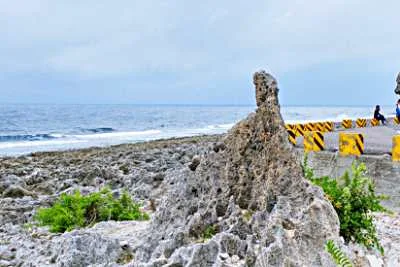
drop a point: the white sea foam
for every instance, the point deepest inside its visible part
(46, 143)
(115, 135)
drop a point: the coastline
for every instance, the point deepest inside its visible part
(128, 145)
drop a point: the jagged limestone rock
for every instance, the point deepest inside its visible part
(397, 90)
(252, 194)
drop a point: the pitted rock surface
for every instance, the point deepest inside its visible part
(253, 193)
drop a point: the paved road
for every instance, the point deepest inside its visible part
(377, 140)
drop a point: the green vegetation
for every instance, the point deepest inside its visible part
(337, 255)
(354, 199)
(75, 211)
(209, 232)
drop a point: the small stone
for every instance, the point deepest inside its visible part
(124, 245)
(224, 256)
(220, 146)
(195, 162)
(235, 259)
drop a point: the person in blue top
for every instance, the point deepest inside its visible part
(378, 116)
(398, 110)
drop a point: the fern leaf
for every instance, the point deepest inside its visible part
(337, 255)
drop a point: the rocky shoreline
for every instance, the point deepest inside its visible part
(140, 167)
(36, 179)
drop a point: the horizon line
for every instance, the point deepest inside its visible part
(189, 104)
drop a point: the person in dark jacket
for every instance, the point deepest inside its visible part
(378, 116)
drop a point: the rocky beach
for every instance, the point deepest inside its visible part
(247, 184)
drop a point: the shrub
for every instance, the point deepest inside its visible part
(353, 197)
(76, 210)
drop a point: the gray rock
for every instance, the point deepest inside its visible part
(219, 146)
(195, 162)
(17, 192)
(256, 174)
(10, 180)
(81, 249)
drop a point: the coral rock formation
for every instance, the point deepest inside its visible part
(254, 197)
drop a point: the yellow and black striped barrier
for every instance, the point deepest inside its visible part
(299, 130)
(328, 126)
(351, 144)
(396, 120)
(374, 122)
(292, 137)
(319, 127)
(361, 123)
(313, 141)
(396, 148)
(347, 124)
(290, 126)
(308, 127)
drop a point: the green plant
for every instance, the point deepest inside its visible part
(354, 199)
(76, 210)
(209, 232)
(337, 255)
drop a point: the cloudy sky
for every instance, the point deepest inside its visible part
(332, 52)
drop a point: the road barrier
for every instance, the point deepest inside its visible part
(347, 124)
(290, 127)
(299, 130)
(374, 122)
(313, 141)
(361, 123)
(351, 144)
(308, 127)
(396, 148)
(328, 125)
(292, 137)
(319, 126)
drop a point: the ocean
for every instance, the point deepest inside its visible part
(26, 128)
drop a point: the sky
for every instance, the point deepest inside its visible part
(331, 52)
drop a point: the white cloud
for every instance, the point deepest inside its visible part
(112, 38)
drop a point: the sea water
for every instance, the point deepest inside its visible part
(30, 128)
